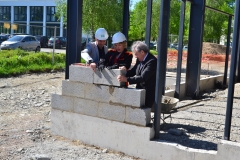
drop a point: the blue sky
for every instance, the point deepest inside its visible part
(133, 2)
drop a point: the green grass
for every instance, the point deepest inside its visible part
(16, 62)
(154, 52)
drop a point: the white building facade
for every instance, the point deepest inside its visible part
(35, 17)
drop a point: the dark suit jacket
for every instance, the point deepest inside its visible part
(144, 77)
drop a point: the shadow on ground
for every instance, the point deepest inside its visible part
(184, 135)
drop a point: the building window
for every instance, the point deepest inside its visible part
(20, 13)
(50, 14)
(50, 31)
(5, 13)
(36, 30)
(21, 29)
(36, 13)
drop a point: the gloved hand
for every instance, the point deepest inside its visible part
(101, 64)
(101, 67)
(115, 66)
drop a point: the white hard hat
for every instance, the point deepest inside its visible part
(118, 37)
(101, 34)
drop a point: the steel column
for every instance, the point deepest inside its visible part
(195, 48)
(227, 52)
(161, 62)
(148, 22)
(74, 33)
(180, 46)
(125, 18)
(232, 75)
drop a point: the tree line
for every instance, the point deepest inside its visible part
(108, 14)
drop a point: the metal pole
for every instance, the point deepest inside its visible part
(161, 62)
(232, 75)
(148, 22)
(227, 52)
(54, 42)
(180, 46)
(194, 57)
(74, 33)
(125, 18)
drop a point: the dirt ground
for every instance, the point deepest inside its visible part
(25, 120)
(213, 59)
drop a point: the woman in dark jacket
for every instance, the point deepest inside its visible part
(119, 56)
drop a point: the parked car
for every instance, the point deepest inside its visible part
(43, 41)
(173, 46)
(60, 42)
(185, 48)
(25, 42)
(3, 38)
(152, 45)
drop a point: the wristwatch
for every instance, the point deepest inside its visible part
(90, 61)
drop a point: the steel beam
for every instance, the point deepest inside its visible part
(227, 52)
(125, 18)
(195, 48)
(180, 46)
(161, 62)
(74, 33)
(148, 22)
(232, 76)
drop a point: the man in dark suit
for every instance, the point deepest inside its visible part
(143, 72)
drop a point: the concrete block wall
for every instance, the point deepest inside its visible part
(111, 117)
(99, 94)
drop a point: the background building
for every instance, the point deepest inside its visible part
(35, 17)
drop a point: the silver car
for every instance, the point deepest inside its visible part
(25, 42)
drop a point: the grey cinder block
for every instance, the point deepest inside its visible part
(102, 93)
(129, 96)
(138, 116)
(80, 73)
(62, 102)
(73, 88)
(86, 107)
(111, 112)
(108, 77)
(97, 92)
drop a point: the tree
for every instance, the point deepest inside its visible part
(61, 10)
(138, 19)
(96, 13)
(215, 24)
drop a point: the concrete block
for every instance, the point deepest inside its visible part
(80, 73)
(62, 102)
(96, 92)
(129, 96)
(209, 82)
(138, 116)
(228, 150)
(100, 132)
(110, 94)
(73, 88)
(86, 107)
(111, 112)
(108, 77)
